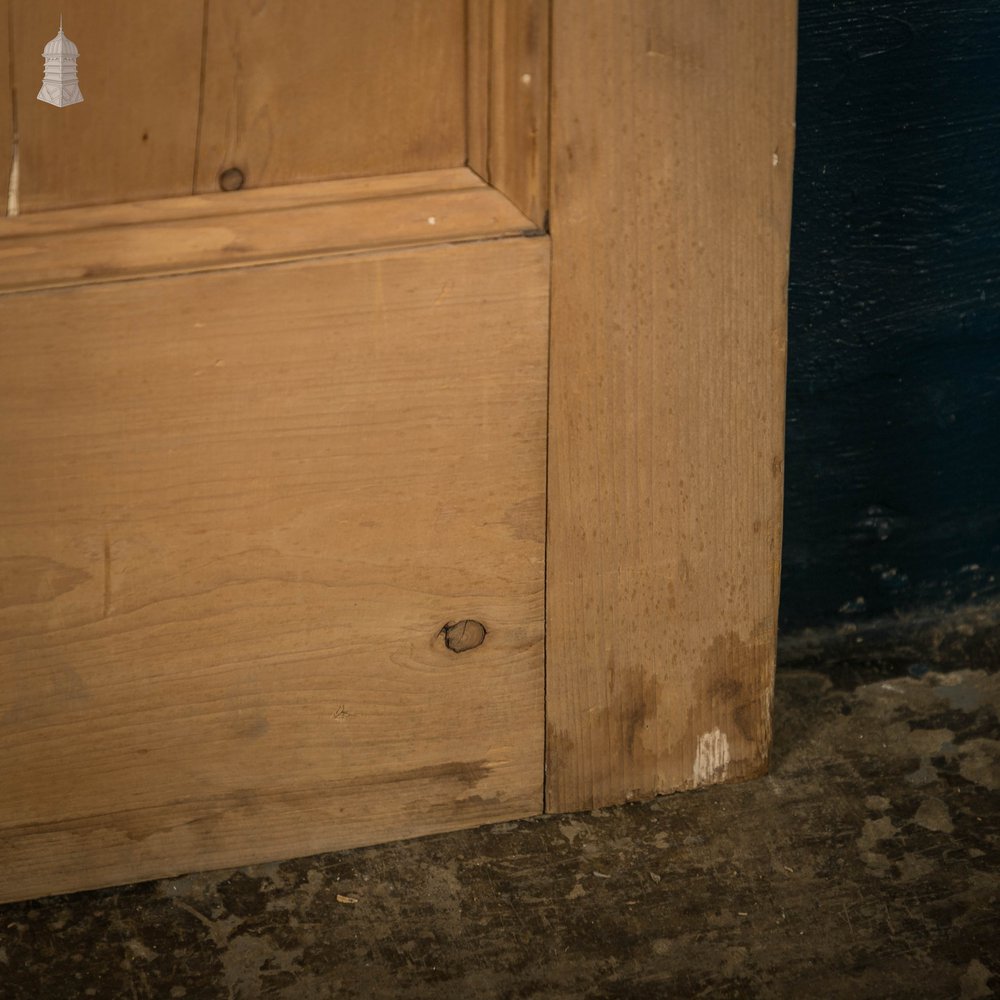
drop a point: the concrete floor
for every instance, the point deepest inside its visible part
(866, 865)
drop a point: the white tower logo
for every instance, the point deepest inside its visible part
(60, 87)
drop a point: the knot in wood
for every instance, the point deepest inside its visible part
(231, 179)
(463, 635)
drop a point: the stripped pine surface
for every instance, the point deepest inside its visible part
(134, 134)
(242, 516)
(275, 93)
(302, 90)
(671, 158)
(8, 152)
(508, 99)
(225, 230)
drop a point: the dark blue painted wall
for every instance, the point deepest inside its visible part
(893, 439)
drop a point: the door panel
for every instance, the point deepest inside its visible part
(258, 450)
(134, 134)
(314, 89)
(237, 510)
(174, 94)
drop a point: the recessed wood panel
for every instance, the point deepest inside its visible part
(134, 134)
(175, 94)
(300, 91)
(237, 509)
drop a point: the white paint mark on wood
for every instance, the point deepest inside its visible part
(712, 758)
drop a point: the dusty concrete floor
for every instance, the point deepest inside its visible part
(866, 865)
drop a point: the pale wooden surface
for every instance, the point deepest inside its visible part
(236, 510)
(672, 160)
(223, 230)
(298, 91)
(6, 111)
(478, 30)
(286, 92)
(508, 99)
(133, 136)
(219, 203)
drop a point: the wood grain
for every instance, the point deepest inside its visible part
(478, 21)
(300, 91)
(178, 235)
(134, 134)
(508, 99)
(237, 509)
(671, 155)
(7, 151)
